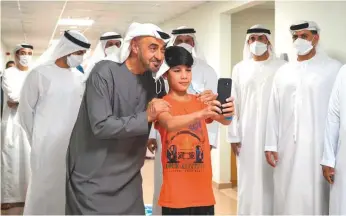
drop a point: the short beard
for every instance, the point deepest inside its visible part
(142, 61)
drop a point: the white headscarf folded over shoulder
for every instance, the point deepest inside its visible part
(71, 41)
(99, 52)
(307, 25)
(186, 31)
(21, 46)
(257, 30)
(137, 30)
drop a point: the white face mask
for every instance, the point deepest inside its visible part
(188, 47)
(25, 60)
(258, 48)
(74, 60)
(302, 46)
(113, 50)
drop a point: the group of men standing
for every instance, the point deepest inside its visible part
(281, 110)
(33, 161)
(101, 121)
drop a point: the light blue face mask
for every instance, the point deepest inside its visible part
(193, 88)
(158, 85)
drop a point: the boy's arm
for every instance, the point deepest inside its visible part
(172, 123)
(222, 119)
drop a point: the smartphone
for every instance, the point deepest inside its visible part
(224, 89)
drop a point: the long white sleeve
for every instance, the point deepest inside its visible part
(9, 85)
(153, 132)
(234, 132)
(331, 136)
(211, 80)
(272, 129)
(28, 100)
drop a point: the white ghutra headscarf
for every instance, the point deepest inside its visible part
(257, 30)
(183, 30)
(71, 41)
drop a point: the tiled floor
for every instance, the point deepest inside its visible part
(226, 200)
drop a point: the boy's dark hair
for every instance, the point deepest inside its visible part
(176, 55)
(8, 63)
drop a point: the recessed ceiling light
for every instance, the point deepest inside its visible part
(76, 22)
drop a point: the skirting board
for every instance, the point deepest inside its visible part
(221, 186)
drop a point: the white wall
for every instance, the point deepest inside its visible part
(212, 23)
(329, 15)
(3, 57)
(213, 26)
(243, 20)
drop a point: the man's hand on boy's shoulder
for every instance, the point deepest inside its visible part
(155, 107)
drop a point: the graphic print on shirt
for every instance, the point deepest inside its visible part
(185, 149)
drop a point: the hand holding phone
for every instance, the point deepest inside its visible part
(224, 89)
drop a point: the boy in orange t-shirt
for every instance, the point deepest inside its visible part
(186, 161)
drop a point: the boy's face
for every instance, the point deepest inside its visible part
(179, 78)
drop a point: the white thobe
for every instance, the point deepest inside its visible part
(50, 101)
(295, 130)
(334, 154)
(204, 77)
(252, 83)
(15, 149)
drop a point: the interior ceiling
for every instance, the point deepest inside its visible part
(35, 22)
(268, 5)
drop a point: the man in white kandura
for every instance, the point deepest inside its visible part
(49, 105)
(108, 46)
(334, 155)
(296, 122)
(204, 78)
(15, 149)
(252, 83)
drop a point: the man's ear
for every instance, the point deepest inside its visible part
(134, 46)
(315, 39)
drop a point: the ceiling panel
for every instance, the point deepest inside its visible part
(36, 20)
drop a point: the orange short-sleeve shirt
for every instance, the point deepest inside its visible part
(186, 160)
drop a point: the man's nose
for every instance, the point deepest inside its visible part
(159, 55)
